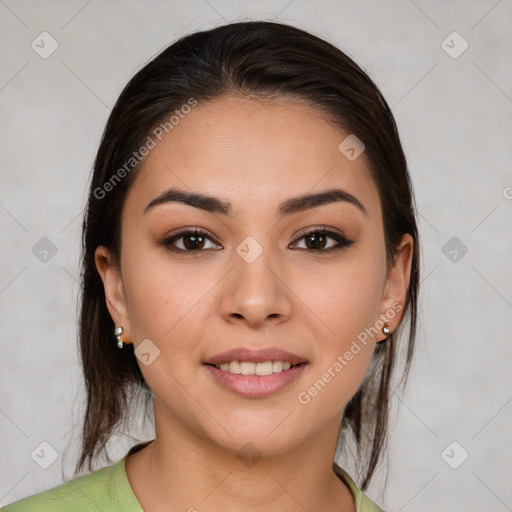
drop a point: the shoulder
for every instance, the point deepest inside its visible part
(363, 503)
(104, 489)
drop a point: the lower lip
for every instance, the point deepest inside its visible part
(256, 386)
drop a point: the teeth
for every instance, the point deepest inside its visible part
(261, 369)
(264, 368)
(247, 368)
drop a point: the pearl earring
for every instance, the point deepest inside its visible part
(117, 332)
(385, 329)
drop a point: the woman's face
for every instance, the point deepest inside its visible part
(252, 280)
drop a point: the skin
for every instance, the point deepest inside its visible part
(255, 155)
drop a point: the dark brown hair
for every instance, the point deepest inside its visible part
(263, 60)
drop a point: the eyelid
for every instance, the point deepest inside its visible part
(191, 230)
(320, 228)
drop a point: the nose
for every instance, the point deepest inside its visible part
(255, 294)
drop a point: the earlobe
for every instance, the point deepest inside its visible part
(397, 283)
(114, 290)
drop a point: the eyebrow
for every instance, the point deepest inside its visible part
(293, 205)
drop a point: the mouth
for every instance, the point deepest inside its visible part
(255, 373)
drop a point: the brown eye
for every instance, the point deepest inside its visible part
(190, 241)
(323, 241)
(316, 241)
(193, 242)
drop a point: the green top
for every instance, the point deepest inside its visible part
(108, 490)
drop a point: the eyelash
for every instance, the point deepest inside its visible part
(342, 242)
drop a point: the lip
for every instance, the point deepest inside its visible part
(256, 386)
(255, 356)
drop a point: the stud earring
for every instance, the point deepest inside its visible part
(385, 329)
(118, 331)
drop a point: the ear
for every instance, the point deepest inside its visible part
(397, 282)
(114, 291)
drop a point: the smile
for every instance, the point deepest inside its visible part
(255, 373)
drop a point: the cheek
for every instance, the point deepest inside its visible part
(169, 305)
(173, 304)
(343, 310)
(344, 299)
(161, 296)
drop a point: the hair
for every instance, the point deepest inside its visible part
(262, 61)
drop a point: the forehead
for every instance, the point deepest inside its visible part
(245, 150)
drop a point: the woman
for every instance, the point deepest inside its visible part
(250, 253)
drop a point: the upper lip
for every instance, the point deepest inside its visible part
(255, 356)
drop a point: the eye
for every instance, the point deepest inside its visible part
(323, 240)
(190, 240)
(197, 240)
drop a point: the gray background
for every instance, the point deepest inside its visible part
(454, 115)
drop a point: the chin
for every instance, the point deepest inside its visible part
(258, 438)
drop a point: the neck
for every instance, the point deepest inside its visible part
(183, 471)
